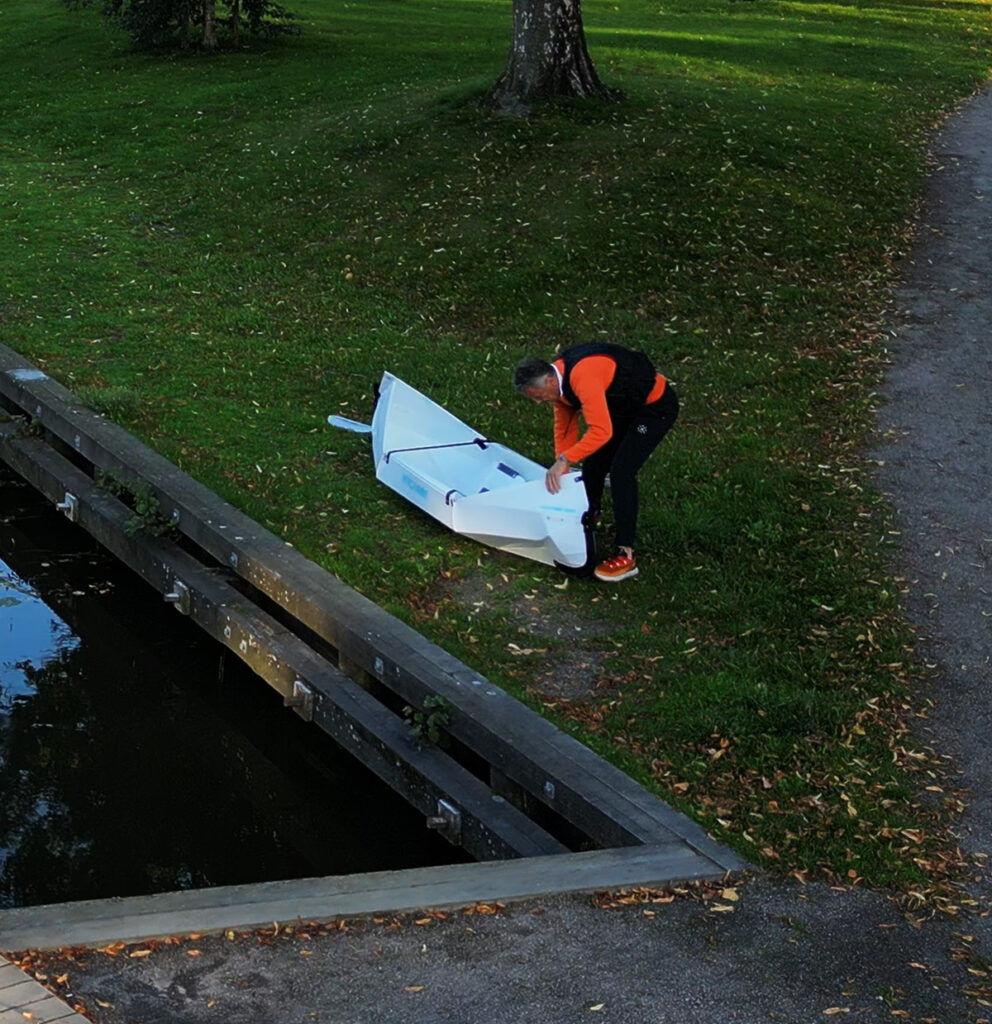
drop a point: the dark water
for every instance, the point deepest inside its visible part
(137, 757)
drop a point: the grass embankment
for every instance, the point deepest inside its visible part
(228, 249)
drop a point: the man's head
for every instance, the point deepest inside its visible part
(536, 379)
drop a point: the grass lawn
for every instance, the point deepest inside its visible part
(221, 251)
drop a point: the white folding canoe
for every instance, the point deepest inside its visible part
(476, 487)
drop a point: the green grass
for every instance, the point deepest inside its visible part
(231, 248)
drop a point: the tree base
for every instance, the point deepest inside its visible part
(508, 98)
(548, 58)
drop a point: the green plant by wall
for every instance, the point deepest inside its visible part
(429, 723)
(147, 510)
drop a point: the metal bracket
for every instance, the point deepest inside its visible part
(70, 506)
(301, 701)
(179, 596)
(447, 822)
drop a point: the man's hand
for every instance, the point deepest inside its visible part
(552, 479)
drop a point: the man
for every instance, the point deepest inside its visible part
(628, 407)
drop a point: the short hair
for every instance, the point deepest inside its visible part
(530, 373)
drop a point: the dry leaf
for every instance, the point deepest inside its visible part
(413, 988)
(135, 954)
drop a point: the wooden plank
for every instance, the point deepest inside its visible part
(96, 922)
(423, 774)
(553, 767)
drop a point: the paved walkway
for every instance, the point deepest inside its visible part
(25, 1001)
(769, 950)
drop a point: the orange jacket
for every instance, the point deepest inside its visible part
(590, 379)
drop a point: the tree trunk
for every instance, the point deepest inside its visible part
(210, 25)
(236, 24)
(548, 57)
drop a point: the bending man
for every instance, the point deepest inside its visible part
(628, 407)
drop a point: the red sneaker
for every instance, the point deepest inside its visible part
(619, 567)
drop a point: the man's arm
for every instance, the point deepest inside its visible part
(590, 379)
(566, 426)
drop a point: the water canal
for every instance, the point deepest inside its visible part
(138, 757)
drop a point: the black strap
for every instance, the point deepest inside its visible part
(480, 441)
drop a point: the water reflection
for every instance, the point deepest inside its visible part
(31, 634)
(136, 757)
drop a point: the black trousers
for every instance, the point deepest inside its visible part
(633, 440)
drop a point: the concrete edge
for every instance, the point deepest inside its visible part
(242, 907)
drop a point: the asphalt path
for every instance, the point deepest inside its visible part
(767, 950)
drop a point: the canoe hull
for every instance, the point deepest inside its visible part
(475, 487)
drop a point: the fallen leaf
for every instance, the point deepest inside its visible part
(834, 1010)
(516, 649)
(413, 988)
(135, 954)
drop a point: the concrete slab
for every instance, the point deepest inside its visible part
(23, 1000)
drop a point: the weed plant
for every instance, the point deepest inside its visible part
(240, 245)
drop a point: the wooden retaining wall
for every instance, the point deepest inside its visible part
(328, 650)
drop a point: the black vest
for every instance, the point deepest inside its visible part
(631, 385)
